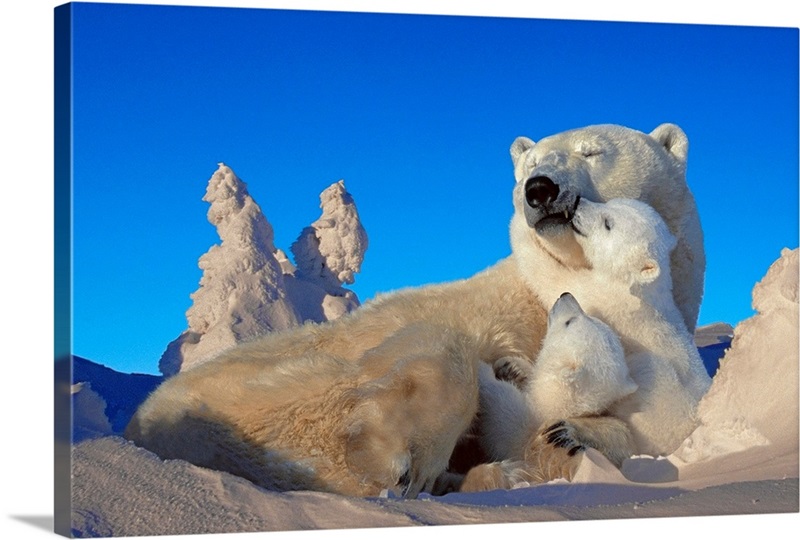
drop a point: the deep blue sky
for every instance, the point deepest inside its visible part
(416, 114)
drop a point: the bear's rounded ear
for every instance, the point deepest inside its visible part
(649, 270)
(673, 139)
(519, 147)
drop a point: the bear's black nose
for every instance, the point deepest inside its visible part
(540, 191)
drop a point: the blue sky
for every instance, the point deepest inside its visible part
(416, 114)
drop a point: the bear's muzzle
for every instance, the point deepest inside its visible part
(547, 206)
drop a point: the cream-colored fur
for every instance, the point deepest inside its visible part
(287, 409)
(323, 423)
(352, 406)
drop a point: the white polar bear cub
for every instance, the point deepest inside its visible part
(628, 246)
(580, 371)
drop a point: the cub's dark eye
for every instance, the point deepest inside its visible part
(608, 224)
(591, 152)
(569, 321)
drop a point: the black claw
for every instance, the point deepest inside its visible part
(575, 449)
(555, 426)
(405, 481)
(558, 434)
(564, 442)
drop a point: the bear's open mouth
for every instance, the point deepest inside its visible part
(562, 218)
(559, 219)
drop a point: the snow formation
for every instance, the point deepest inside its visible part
(328, 253)
(331, 250)
(121, 393)
(249, 287)
(754, 396)
(88, 413)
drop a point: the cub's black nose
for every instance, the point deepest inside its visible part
(540, 191)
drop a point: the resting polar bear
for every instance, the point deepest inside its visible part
(582, 368)
(205, 416)
(320, 421)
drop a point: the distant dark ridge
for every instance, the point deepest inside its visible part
(122, 392)
(712, 341)
(711, 356)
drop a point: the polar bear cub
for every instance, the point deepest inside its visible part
(628, 245)
(630, 288)
(579, 371)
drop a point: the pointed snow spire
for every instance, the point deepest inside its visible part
(242, 292)
(331, 250)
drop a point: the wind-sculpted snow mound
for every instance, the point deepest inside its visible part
(328, 254)
(242, 293)
(332, 249)
(753, 400)
(88, 413)
(249, 287)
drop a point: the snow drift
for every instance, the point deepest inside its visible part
(88, 413)
(742, 458)
(735, 416)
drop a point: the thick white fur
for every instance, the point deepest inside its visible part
(506, 420)
(287, 410)
(606, 162)
(377, 399)
(627, 246)
(630, 287)
(580, 371)
(322, 422)
(581, 368)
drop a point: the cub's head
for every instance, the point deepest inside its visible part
(581, 367)
(625, 239)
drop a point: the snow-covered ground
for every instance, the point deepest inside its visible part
(742, 459)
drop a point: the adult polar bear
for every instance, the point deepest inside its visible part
(601, 163)
(342, 406)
